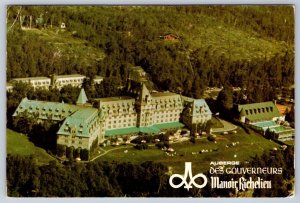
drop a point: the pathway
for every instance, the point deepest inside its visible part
(106, 151)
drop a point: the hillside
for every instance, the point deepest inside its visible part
(216, 45)
(18, 144)
(65, 45)
(51, 49)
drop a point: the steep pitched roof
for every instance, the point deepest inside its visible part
(45, 110)
(259, 111)
(81, 122)
(196, 106)
(82, 98)
(200, 107)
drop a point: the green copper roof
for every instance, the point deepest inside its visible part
(169, 125)
(148, 129)
(256, 112)
(121, 131)
(46, 110)
(80, 123)
(200, 107)
(82, 98)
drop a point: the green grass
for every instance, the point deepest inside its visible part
(289, 142)
(18, 144)
(249, 145)
(216, 123)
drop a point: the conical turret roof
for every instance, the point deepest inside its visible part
(82, 98)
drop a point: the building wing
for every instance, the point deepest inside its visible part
(256, 112)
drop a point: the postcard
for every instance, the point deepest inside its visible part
(150, 101)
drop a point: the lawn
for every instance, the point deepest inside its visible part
(289, 142)
(18, 144)
(249, 145)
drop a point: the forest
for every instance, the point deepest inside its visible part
(246, 46)
(148, 179)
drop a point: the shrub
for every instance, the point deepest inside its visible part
(77, 153)
(211, 138)
(84, 154)
(61, 150)
(160, 145)
(142, 146)
(70, 153)
(193, 139)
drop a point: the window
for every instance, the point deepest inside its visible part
(267, 109)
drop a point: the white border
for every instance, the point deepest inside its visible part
(4, 3)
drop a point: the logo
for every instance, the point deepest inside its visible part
(184, 178)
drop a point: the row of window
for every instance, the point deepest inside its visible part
(121, 126)
(70, 80)
(259, 110)
(73, 142)
(120, 121)
(166, 120)
(202, 116)
(41, 83)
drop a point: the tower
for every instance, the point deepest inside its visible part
(143, 106)
(82, 98)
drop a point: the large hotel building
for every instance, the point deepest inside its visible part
(143, 110)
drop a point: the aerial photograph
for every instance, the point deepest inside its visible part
(150, 101)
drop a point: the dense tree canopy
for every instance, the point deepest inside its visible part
(132, 35)
(148, 179)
